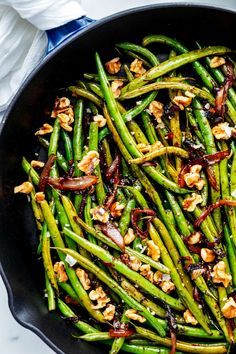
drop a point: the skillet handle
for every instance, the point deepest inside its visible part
(59, 34)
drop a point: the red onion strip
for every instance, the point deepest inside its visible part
(45, 172)
(72, 184)
(113, 233)
(114, 333)
(212, 207)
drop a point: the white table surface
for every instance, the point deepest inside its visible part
(14, 339)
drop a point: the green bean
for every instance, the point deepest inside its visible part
(68, 145)
(53, 144)
(149, 128)
(118, 342)
(92, 76)
(231, 252)
(69, 290)
(184, 346)
(141, 50)
(126, 216)
(128, 73)
(160, 85)
(77, 135)
(50, 295)
(30, 171)
(107, 151)
(193, 124)
(84, 262)
(103, 133)
(93, 146)
(140, 106)
(174, 63)
(38, 216)
(159, 152)
(60, 158)
(79, 92)
(137, 56)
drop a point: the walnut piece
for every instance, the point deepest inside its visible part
(83, 277)
(25, 187)
(145, 271)
(113, 66)
(196, 273)
(134, 263)
(100, 214)
(182, 101)
(157, 145)
(109, 312)
(66, 118)
(59, 269)
(189, 318)
(153, 250)
(207, 255)
(37, 164)
(219, 274)
(157, 109)
(157, 278)
(137, 67)
(216, 62)
(129, 236)
(89, 162)
(190, 203)
(144, 147)
(229, 308)
(193, 178)
(100, 296)
(133, 315)
(194, 238)
(116, 209)
(60, 105)
(167, 286)
(100, 120)
(115, 87)
(39, 197)
(45, 129)
(222, 131)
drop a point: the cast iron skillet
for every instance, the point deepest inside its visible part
(18, 241)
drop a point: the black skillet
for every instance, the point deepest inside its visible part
(20, 268)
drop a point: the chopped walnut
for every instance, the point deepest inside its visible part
(45, 129)
(39, 197)
(229, 308)
(189, 94)
(100, 296)
(219, 274)
(145, 271)
(89, 162)
(100, 214)
(190, 203)
(83, 277)
(216, 62)
(129, 236)
(157, 109)
(222, 131)
(100, 120)
(113, 66)
(153, 250)
(137, 67)
(25, 187)
(59, 269)
(116, 209)
(189, 318)
(109, 312)
(134, 263)
(182, 101)
(207, 255)
(133, 315)
(66, 119)
(157, 278)
(193, 178)
(144, 147)
(115, 87)
(167, 286)
(37, 164)
(61, 105)
(196, 273)
(194, 238)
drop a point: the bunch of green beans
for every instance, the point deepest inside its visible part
(135, 247)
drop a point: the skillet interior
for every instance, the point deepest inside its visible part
(18, 241)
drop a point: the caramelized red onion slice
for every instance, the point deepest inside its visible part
(171, 320)
(114, 333)
(204, 161)
(113, 167)
(45, 172)
(72, 184)
(113, 233)
(212, 207)
(222, 93)
(134, 220)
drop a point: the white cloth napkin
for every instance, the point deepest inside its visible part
(23, 40)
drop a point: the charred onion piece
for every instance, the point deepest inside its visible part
(113, 233)
(222, 93)
(113, 167)
(171, 320)
(45, 172)
(72, 184)
(134, 219)
(204, 161)
(114, 333)
(212, 207)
